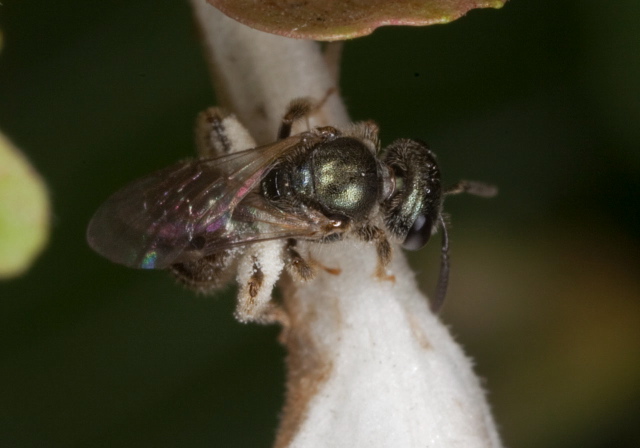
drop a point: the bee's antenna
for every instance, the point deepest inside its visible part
(464, 186)
(443, 278)
(472, 187)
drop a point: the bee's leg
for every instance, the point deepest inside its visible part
(298, 109)
(219, 133)
(297, 266)
(302, 268)
(253, 303)
(205, 274)
(255, 281)
(370, 233)
(258, 271)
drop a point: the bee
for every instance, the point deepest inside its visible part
(201, 219)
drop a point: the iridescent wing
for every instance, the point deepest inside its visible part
(192, 209)
(255, 219)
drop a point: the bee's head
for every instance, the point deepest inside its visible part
(412, 209)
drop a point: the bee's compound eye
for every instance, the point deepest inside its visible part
(418, 234)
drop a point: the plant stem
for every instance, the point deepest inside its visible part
(368, 363)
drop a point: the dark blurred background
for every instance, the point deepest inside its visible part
(541, 98)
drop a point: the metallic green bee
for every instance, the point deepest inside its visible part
(197, 217)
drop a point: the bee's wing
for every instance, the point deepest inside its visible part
(160, 219)
(254, 219)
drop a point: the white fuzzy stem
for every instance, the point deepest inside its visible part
(369, 364)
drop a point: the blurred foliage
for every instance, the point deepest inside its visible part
(24, 211)
(540, 97)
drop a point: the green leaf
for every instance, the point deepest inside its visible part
(343, 19)
(24, 211)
